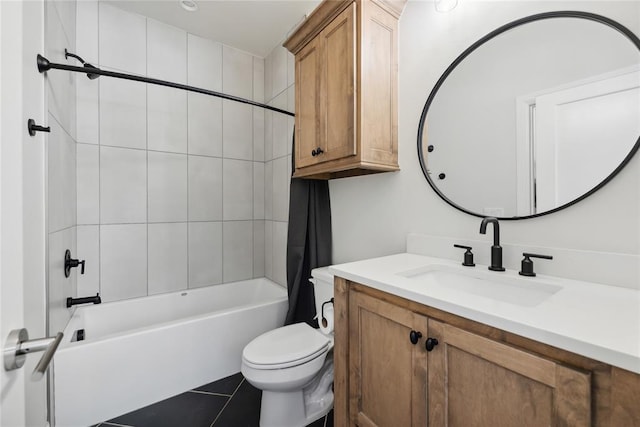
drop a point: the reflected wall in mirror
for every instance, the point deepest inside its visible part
(533, 117)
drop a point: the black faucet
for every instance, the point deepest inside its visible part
(496, 249)
(85, 300)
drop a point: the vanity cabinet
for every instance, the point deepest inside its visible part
(346, 89)
(385, 363)
(476, 381)
(475, 375)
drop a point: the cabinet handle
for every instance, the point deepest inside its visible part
(317, 151)
(431, 343)
(414, 336)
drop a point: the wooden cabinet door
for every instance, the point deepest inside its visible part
(474, 381)
(378, 85)
(387, 373)
(308, 73)
(337, 86)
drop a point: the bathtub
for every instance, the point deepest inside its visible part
(139, 351)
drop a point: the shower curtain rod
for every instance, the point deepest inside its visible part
(93, 72)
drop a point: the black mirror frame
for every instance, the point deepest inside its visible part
(537, 17)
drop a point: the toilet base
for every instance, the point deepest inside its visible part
(287, 410)
(301, 407)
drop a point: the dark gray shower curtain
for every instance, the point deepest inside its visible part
(308, 243)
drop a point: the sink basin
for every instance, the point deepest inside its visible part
(524, 292)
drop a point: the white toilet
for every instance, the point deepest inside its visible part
(293, 365)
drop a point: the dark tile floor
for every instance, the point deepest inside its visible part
(229, 402)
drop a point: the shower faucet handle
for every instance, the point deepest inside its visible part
(70, 263)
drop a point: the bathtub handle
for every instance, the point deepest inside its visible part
(18, 345)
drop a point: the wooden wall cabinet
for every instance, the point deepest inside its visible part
(476, 375)
(346, 60)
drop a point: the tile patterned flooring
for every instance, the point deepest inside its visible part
(229, 402)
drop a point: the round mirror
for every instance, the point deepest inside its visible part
(533, 117)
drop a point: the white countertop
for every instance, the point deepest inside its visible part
(597, 321)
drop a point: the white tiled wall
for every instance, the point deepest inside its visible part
(166, 187)
(205, 253)
(62, 177)
(123, 185)
(205, 188)
(61, 160)
(174, 187)
(237, 137)
(88, 239)
(60, 287)
(122, 39)
(167, 107)
(61, 86)
(278, 134)
(123, 261)
(237, 190)
(168, 267)
(237, 255)
(122, 113)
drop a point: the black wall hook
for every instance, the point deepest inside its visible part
(33, 127)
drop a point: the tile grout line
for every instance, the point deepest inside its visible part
(123, 147)
(146, 134)
(253, 169)
(188, 149)
(222, 162)
(99, 166)
(228, 401)
(209, 393)
(107, 423)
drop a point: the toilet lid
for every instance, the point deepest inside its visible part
(285, 345)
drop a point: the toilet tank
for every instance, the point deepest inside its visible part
(322, 286)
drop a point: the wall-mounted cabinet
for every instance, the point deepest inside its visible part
(346, 61)
(401, 363)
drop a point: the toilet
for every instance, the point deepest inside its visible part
(293, 365)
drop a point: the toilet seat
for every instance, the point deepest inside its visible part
(289, 364)
(285, 347)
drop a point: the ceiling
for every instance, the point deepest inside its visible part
(255, 26)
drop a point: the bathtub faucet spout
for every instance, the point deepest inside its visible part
(85, 300)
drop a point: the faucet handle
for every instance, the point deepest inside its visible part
(468, 255)
(70, 263)
(526, 266)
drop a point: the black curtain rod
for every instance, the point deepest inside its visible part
(93, 72)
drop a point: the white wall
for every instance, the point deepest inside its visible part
(372, 214)
(171, 191)
(12, 384)
(22, 228)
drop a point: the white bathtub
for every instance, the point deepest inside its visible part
(143, 350)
